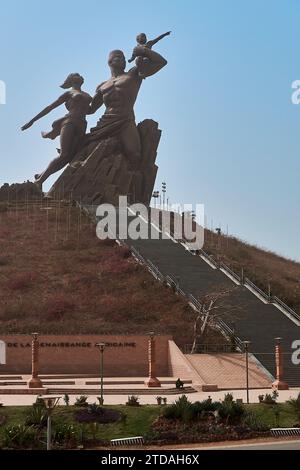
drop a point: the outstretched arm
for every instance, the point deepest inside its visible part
(97, 101)
(155, 61)
(46, 110)
(154, 41)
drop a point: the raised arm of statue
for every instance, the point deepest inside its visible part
(152, 42)
(62, 99)
(154, 63)
(97, 101)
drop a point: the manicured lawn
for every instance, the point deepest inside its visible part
(279, 415)
(136, 421)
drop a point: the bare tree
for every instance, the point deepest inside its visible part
(213, 307)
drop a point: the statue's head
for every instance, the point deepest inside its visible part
(141, 38)
(74, 79)
(116, 60)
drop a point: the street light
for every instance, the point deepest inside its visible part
(155, 196)
(50, 402)
(101, 347)
(246, 344)
(164, 189)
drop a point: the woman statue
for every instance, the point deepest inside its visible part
(71, 128)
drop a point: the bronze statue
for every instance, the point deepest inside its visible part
(71, 127)
(141, 40)
(119, 94)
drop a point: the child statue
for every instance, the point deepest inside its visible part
(141, 40)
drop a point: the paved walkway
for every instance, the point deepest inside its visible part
(15, 400)
(228, 370)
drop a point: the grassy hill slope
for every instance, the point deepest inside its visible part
(57, 277)
(261, 266)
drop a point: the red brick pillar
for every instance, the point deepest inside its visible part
(35, 381)
(153, 380)
(279, 383)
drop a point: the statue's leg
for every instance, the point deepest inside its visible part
(67, 139)
(131, 142)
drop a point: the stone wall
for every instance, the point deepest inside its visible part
(124, 356)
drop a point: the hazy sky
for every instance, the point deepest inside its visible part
(231, 135)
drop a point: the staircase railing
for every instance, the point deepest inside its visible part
(174, 283)
(272, 299)
(209, 348)
(257, 289)
(275, 299)
(232, 273)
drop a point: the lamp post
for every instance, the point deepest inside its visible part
(155, 196)
(50, 402)
(35, 381)
(164, 189)
(246, 344)
(279, 383)
(101, 347)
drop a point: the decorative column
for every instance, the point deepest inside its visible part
(279, 383)
(35, 381)
(153, 380)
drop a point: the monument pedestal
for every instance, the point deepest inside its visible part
(101, 172)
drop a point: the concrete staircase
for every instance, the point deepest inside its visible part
(258, 321)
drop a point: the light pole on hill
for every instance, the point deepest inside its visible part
(246, 344)
(155, 196)
(101, 347)
(164, 189)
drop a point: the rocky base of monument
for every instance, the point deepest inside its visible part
(103, 172)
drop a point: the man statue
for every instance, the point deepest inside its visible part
(119, 94)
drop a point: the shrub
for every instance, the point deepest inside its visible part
(133, 400)
(228, 398)
(65, 434)
(295, 405)
(230, 411)
(269, 399)
(57, 307)
(182, 409)
(95, 409)
(37, 416)
(253, 422)
(81, 401)
(20, 436)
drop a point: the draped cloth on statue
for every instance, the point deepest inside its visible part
(108, 125)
